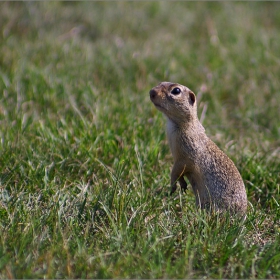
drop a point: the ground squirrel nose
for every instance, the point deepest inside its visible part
(153, 93)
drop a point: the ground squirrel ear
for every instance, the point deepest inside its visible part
(192, 97)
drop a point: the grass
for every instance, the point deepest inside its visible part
(84, 158)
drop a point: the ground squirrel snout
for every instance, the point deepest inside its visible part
(214, 178)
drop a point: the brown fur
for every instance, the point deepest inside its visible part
(214, 178)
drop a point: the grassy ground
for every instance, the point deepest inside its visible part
(83, 151)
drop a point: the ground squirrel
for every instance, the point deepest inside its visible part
(214, 178)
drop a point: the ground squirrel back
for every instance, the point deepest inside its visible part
(213, 176)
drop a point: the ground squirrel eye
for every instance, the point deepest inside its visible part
(176, 90)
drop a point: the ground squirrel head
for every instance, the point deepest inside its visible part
(176, 101)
